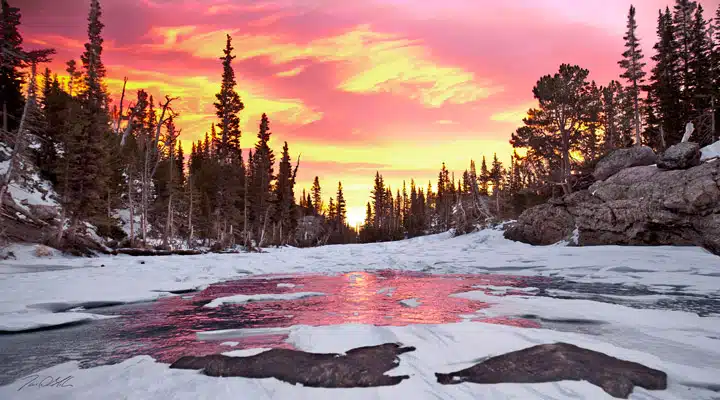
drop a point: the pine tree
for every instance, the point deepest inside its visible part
(228, 106)
(341, 213)
(11, 64)
(378, 197)
(701, 77)
(94, 89)
(633, 65)
(664, 89)
(683, 24)
(262, 177)
(317, 196)
(484, 178)
(284, 196)
(86, 143)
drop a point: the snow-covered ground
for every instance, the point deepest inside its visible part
(683, 344)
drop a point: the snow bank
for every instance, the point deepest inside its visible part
(241, 298)
(440, 348)
(710, 151)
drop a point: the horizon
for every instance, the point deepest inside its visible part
(395, 86)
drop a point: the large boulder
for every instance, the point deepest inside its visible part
(624, 158)
(561, 362)
(680, 156)
(637, 206)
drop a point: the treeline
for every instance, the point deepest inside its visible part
(124, 165)
(576, 123)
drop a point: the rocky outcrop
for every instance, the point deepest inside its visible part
(360, 367)
(624, 158)
(680, 156)
(637, 206)
(558, 362)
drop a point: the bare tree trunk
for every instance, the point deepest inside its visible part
(262, 234)
(662, 137)
(190, 213)
(132, 211)
(19, 135)
(638, 140)
(5, 119)
(245, 216)
(566, 162)
(120, 112)
(171, 186)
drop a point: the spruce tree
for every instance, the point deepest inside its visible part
(341, 208)
(632, 64)
(317, 196)
(228, 106)
(87, 141)
(683, 25)
(484, 178)
(12, 100)
(701, 77)
(664, 88)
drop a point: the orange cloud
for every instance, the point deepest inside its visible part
(514, 115)
(372, 61)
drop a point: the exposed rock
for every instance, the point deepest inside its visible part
(361, 367)
(623, 158)
(558, 362)
(44, 212)
(680, 156)
(637, 206)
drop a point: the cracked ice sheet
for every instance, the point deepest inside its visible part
(440, 348)
(31, 280)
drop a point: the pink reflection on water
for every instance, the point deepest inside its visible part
(167, 330)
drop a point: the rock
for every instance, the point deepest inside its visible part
(680, 156)
(637, 206)
(623, 158)
(44, 212)
(360, 367)
(558, 362)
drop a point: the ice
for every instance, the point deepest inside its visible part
(242, 298)
(32, 320)
(440, 348)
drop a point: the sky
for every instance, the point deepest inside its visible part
(354, 87)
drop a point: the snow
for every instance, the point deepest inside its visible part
(35, 319)
(286, 285)
(231, 344)
(38, 292)
(412, 303)
(710, 151)
(241, 298)
(440, 348)
(124, 279)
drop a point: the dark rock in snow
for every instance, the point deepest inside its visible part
(558, 362)
(680, 156)
(637, 206)
(361, 367)
(623, 158)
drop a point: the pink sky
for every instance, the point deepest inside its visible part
(397, 86)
